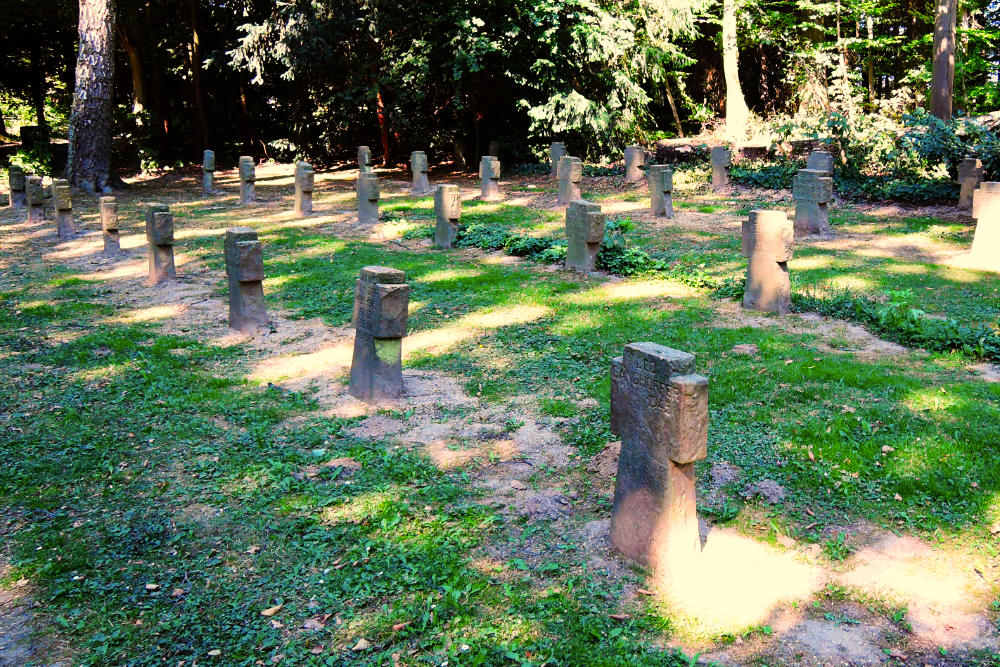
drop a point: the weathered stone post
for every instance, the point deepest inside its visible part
(248, 179)
(722, 160)
(489, 173)
(556, 153)
(418, 167)
(364, 160)
(812, 191)
(767, 242)
(986, 242)
(160, 237)
(661, 189)
(208, 173)
(109, 225)
(635, 159)
(820, 161)
(245, 271)
(584, 234)
(18, 185)
(970, 175)
(570, 175)
(62, 202)
(36, 198)
(305, 180)
(659, 408)
(381, 303)
(982, 196)
(368, 196)
(448, 209)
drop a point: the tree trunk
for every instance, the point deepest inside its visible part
(204, 136)
(38, 93)
(737, 112)
(943, 77)
(383, 131)
(131, 47)
(673, 106)
(91, 117)
(871, 62)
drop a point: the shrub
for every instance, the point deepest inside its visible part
(763, 174)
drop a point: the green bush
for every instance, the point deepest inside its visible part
(764, 174)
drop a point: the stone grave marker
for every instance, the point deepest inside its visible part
(18, 184)
(570, 176)
(986, 242)
(35, 197)
(635, 159)
(368, 196)
(381, 303)
(208, 173)
(418, 166)
(584, 233)
(248, 180)
(812, 191)
(820, 161)
(970, 175)
(364, 160)
(661, 190)
(722, 160)
(489, 173)
(767, 242)
(109, 225)
(447, 209)
(659, 408)
(556, 153)
(62, 202)
(160, 238)
(305, 181)
(245, 271)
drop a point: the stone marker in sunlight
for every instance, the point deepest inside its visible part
(245, 270)
(570, 175)
(368, 194)
(160, 237)
(418, 167)
(820, 161)
(35, 198)
(556, 153)
(970, 175)
(248, 180)
(62, 202)
(661, 190)
(489, 174)
(635, 159)
(305, 180)
(986, 242)
(812, 191)
(448, 209)
(109, 225)
(767, 242)
(18, 183)
(208, 173)
(364, 160)
(722, 160)
(659, 408)
(584, 233)
(381, 302)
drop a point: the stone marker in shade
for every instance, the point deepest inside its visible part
(812, 191)
(208, 173)
(584, 233)
(381, 302)
(489, 173)
(661, 190)
(368, 195)
(245, 271)
(18, 183)
(248, 180)
(35, 197)
(659, 408)
(635, 159)
(570, 175)
(62, 202)
(160, 237)
(305, 180)
(109, 225)
(418, 168)
(722, 160)
(970, 175)
(556, 153)
(364, 160)
(447, 209)
(820, 161)
(767, 242)
(986, 242)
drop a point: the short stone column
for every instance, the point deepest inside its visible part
(986, 242)
(584, 234)
(556, 153)
(570, 177)
(820, 161)
(18, 184)
(812, 191)
(364, 160)
(305, 180)
(489, 174)
(722, 160)
(659, 408)
(970, 175)
(767, 242)
(381, 303)
(447, 209)
(418, 168)
(160, 238)
(368, 196)
(661, 190)
(635, 160)
(208, 173)
(35, 197)
(245, 271)
(248, 180)
(62, 202)
(109, 225)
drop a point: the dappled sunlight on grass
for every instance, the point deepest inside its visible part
(630, 290)
(449, 274)
(151, 313)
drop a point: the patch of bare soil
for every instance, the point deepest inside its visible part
(16, 619)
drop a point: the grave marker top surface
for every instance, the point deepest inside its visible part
(585, 221)
(33, 190)
(208, 161)
(61, 197)
(820, 161)
(770, 233)
(248, 170)
(15, 174)
(381, 302)
(813, 185)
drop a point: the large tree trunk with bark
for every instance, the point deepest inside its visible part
(943, 76)
(737, 112)
(204, 134)
(91, 118)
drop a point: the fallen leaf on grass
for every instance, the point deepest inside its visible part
(643, 591)
(271, 611)
(619, 617)
(215, 652)
(313, 624)
(152, 587)
(362, 645)
(400, 626)
(316, 650)
(897, 497)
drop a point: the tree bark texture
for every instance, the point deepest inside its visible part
(737, 112)
(943, 75)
